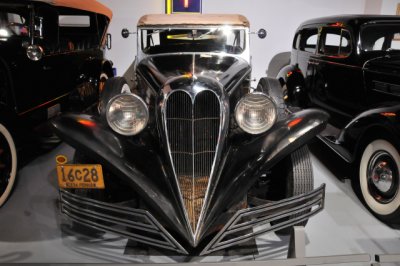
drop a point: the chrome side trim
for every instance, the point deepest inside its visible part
(293, 210)
(139, 225)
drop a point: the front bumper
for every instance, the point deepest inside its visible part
(141, 226)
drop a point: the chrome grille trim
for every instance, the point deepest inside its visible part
(219, 93)
(198, 116)
(135, 224)
(285, 213)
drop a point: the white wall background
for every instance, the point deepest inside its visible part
(279, 17)
(389, 7)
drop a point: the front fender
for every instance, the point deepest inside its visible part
(245, 163)
(90, 136)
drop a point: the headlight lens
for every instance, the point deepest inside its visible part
(255, 113)
(127, 114)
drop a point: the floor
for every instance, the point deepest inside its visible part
(31, 230)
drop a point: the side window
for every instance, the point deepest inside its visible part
(380, 37)
(395, 44)
(335, 42)
(345, 43)
(78, 30)
(308, 40)
(46, 28)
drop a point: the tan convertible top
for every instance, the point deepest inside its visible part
(88, 5)
(193, 20)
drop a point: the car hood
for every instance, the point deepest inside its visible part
(225, 69)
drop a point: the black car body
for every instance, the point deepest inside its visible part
(180, 171)
(51, 60)
(349, 66)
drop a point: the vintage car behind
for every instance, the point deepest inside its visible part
(192, 158)
(350, 67)
(51, 60)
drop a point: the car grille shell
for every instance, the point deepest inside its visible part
(193, 123)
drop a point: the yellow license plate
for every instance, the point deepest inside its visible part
(89, 176)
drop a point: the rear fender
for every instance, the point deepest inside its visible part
(372, 124)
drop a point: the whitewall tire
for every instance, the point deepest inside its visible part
(8, 164)
(379, 179)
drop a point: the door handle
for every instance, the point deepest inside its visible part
(47, 68)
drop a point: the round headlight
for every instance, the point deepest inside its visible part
(127, 114)
(255, 113)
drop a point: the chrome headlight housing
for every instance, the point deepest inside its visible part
(255, 113)
(127, 114)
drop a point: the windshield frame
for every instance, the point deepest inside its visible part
(245, 53)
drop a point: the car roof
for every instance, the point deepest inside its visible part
(88, 5)
(193, 20)
(355, 19)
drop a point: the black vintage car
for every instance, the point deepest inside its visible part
(191, 159)
(51, 60)
(350, 67)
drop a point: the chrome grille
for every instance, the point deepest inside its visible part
(193, 128)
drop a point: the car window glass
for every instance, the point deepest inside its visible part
(308, 40)
(395, 44)
(380, 37)
(378, 44)
(345, 43)
(335, 42)
(12, 24)
(222, 39)
(78, 30)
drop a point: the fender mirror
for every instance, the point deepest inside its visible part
(262, 33)
(109, 41)
(125, 33)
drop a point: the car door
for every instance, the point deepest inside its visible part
(37, 79)
(380, 47)
(14, 22)
(337, 82)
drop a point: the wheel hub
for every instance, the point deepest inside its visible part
(382, 177)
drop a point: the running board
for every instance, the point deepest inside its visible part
(337, 148)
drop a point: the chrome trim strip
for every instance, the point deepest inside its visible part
(70, 206)
(268, 213)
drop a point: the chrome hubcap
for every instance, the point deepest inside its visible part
(382, 174)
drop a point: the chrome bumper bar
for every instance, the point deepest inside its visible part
(141, 226)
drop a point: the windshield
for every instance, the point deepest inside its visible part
(380, 37)
(155, 41)
(12, 24)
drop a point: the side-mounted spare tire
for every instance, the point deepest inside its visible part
(272, 87)
(8, 164)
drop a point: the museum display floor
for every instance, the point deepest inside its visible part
(32, 231)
